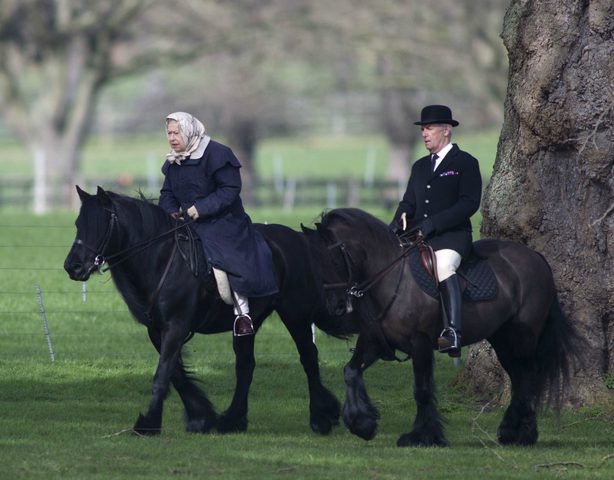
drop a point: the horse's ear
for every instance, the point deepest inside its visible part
(103, 196)
(82, 193)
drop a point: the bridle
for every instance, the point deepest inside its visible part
(100, 257)
(99, 251)
(349, 284)
(352, 287)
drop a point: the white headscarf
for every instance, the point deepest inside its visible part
(192, 132)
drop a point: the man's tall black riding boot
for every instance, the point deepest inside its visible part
(449, 340)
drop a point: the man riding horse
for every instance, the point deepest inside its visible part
(443, 192)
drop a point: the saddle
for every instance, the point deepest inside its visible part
(190, 249)
(477, 280)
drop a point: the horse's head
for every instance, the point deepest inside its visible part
(95, 227)
(338, 256)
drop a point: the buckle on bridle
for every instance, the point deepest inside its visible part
(354, 291)
(99, 261)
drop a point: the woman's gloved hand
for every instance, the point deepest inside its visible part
(193, 213)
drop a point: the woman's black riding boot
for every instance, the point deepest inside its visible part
(449, 340)
(243, 325)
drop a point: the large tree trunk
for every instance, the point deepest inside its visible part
(243, 138)
(553, 182)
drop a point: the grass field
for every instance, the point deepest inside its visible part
(120, 159)
(70, 418)
(331, 157)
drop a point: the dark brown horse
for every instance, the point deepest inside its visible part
(159, 276)
(533, 340)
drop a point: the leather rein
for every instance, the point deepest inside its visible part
(100, 258)
(409, 241)
(357, 290)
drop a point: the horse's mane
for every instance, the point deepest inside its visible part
(360, 221)
(142, 212)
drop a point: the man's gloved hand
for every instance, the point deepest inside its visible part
(193, 213)
(426, 227)
(177, 215)
(399, 226)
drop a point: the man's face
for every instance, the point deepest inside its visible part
(175, 139)
(435, 136)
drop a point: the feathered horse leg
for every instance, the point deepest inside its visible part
(199, 412)
(359, 414)
(170, 349)
(427, 430)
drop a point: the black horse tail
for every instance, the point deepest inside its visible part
(558, 352)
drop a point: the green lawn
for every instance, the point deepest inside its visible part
(71, 418)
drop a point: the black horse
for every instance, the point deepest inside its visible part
(153, 264)
(533, 340)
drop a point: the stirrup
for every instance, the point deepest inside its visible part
(443, 342)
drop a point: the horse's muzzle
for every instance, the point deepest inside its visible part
(76, 270)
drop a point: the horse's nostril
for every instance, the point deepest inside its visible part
(74, 269)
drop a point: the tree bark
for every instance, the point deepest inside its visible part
(553, 182)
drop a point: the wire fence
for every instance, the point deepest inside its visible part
(284, 192)
(44, 314)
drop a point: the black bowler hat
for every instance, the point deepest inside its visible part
(436, 114)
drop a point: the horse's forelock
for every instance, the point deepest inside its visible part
(360, 221)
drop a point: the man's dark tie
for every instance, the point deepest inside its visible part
(434, 158)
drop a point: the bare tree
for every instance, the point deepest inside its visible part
(57, 55)
(553, 182)
(427, 53)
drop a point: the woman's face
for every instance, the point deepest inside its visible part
(175, 139)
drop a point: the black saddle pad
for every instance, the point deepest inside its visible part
(478, 281)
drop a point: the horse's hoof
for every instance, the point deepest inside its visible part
(509, 436)
(323, 426)
(506, 436)
(145, 426)
(363, 427)
(323, 419)
(226, 424)
(200, 425)
(413, 439)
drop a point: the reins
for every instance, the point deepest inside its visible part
(140, 246)
(358, 290)
(100, 259)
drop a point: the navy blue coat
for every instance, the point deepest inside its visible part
(449, 196)
(212, 184)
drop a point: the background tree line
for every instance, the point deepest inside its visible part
(248, 68)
